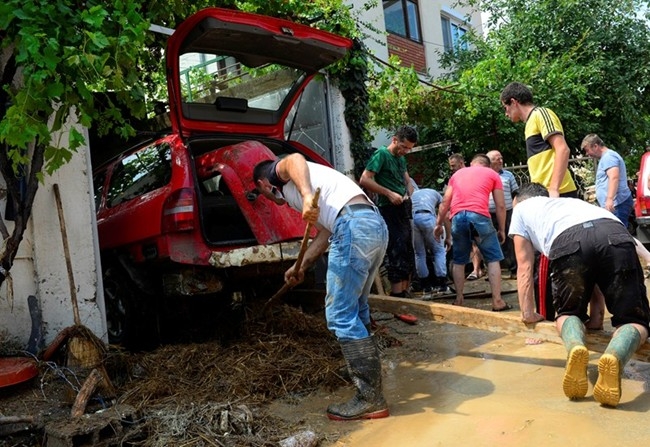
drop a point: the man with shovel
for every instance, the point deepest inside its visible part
(587, 246)
(357, 236)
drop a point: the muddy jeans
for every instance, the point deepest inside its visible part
(357, 248)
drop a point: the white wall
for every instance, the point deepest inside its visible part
(375, 41)
(430, 15)
(40, 266)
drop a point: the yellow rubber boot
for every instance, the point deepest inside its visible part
(624, 343)
(575, 382)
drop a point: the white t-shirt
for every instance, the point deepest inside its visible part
(336, 190)
(542, 219)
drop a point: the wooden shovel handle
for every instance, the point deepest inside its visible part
(66, 252)
(301, 254)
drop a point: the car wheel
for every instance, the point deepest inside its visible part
(131, 320)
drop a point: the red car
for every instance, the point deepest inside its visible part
(178, 216)
(642, 201)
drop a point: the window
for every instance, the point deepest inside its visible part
(140, 173)
(452, 35)
(402, 18)
(308, 121)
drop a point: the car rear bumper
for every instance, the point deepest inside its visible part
(258, 254)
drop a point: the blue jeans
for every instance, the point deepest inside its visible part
(357, 248)
(623, 210)
(467, 226)
(423, 238)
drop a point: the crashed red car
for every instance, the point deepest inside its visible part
(178, 216)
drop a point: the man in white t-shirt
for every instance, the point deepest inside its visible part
(587, 246)
(350, 224)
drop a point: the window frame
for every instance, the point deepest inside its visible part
(407, 18)
(449, 24)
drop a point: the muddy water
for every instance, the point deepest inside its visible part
(454, 386)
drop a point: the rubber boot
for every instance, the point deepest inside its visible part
(623, 344)
(575, 382)
(343, 371)
(364, 366)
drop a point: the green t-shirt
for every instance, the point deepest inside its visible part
(389, 172)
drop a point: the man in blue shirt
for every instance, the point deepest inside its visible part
(425, 203)
(612, 190)
(510, 188)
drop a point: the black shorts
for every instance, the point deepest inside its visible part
(598, 252)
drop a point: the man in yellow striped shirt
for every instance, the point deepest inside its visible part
(547, 150)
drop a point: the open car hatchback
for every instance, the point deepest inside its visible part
(178, 215)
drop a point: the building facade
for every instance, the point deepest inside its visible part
(416, 31)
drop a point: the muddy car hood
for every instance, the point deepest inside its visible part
(252, 42)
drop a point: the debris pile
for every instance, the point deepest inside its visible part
(195, 392)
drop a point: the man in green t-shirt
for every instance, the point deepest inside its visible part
(386, 176)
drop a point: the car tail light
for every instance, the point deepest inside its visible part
(178, 211)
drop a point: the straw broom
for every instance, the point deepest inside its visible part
(85, 351)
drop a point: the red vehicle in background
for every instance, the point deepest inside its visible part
(642, 201)
(178, 216)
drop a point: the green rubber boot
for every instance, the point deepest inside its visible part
(364, 366)
(624, 343)
(575, 382)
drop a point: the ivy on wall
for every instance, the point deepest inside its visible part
(352, 81)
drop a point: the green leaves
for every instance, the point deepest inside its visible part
(68, 54)
(72, 54)
(589, 60)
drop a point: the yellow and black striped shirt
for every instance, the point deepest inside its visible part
(540, 125)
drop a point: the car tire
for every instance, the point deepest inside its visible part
(131, 319)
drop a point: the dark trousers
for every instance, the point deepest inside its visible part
(400, 255)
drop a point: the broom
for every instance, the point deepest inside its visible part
(85, 351)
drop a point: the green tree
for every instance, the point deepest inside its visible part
(88, 61)
(588, 60)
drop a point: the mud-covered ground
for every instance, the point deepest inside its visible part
(446, 385)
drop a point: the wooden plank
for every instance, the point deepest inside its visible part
(504, 322)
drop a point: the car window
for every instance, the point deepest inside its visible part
(139, 173)
(230, 84)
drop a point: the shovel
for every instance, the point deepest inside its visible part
(301, 254)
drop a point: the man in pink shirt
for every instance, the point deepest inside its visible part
(466, 200)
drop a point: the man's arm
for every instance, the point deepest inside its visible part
(514, 186)
(445, 222)
(294, 168)
(500, 203)
(560, 163)
(409, 185)
(613, 175)
(316, 248)
(367, 181)
(525, 279)
(443, 211)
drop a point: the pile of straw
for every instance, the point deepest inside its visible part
(209, 394)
